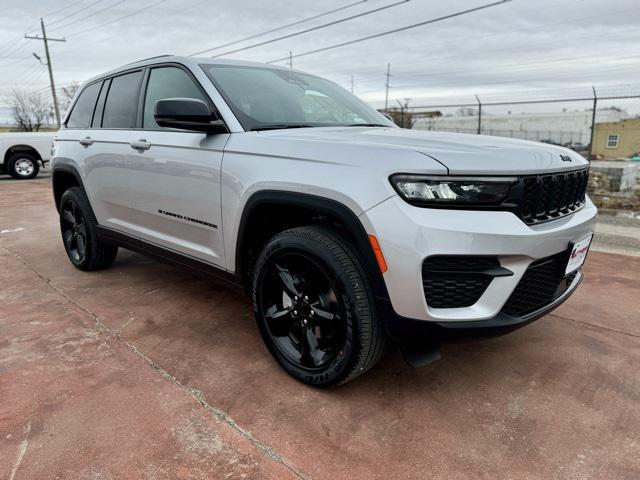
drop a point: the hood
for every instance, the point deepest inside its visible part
(461, 154)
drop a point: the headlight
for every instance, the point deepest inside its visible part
(452, 191)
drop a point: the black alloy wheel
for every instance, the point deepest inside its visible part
(74, 231)
(78, 227)
(305, 316)
(314, 307)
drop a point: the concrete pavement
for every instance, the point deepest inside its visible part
(618, 233)
(44, 174)
(146, 371)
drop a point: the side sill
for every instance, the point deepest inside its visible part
(171, 257)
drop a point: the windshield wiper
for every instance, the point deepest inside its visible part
(281, 126)
(367, 125)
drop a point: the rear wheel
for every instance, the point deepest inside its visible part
(79, 233)
(23, 166)
(314, 307)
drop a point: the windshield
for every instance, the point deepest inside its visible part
(265, 98)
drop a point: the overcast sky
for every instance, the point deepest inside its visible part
(517, 49)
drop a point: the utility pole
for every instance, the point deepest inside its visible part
(46, 50)
(593, 122)
(386, 92)
(401, 113)
(479, 115)
(290, 60)
(405, 122)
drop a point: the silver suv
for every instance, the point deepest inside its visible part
(349, 233)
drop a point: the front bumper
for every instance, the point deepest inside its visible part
(419, 332)
(408, 235)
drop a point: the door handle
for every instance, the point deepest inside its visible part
(140, 145)
(86, 141)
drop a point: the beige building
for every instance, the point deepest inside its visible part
(617, 139)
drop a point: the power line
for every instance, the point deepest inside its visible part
(486, 67)
(35, 77)
(607, 73)
(7, 46)
(88, 15)
(30, 72)
(304, 20)
(512, 50)
(93, 29)
(12, 46)
(513, 67)
(396, 30)
(536, 28)
(77, 20)
(18, 60)
(56, 12)
(90, 42)
(525, 102)
(312, 29)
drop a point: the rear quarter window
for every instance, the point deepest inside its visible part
(82, 112)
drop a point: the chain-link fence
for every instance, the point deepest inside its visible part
(613, 131)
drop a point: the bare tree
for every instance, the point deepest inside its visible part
(29, 108)
(67, 94)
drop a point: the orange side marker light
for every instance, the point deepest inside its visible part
(378, 253)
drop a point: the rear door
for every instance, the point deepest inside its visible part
(106, 175)
(176, 173)
(72, 146)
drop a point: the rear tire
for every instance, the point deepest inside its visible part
(314, 307)
(23, 166)
(79, 233)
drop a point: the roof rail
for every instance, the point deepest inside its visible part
(150, 58)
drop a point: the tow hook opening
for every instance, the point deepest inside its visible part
(420, 356)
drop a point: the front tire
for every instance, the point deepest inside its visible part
(23, 166)
(79, 233)
(315, 308)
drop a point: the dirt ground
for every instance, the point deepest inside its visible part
(145, 371)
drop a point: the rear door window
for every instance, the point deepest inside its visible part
(122, 101)
(83, 109)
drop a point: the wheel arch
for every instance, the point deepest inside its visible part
(302, 209)
(21, 148)
(63, 177)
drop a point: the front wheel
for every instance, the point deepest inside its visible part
(314, 307)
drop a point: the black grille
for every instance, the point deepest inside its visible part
(540, 285)
(546, 197)
(456, 281)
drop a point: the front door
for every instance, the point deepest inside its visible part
(175, 175)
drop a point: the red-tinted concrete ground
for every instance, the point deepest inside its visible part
(145, 371)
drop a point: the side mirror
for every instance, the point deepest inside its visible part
(387, 116)
(187, 114)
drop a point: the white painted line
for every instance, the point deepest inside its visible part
(11, 230)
